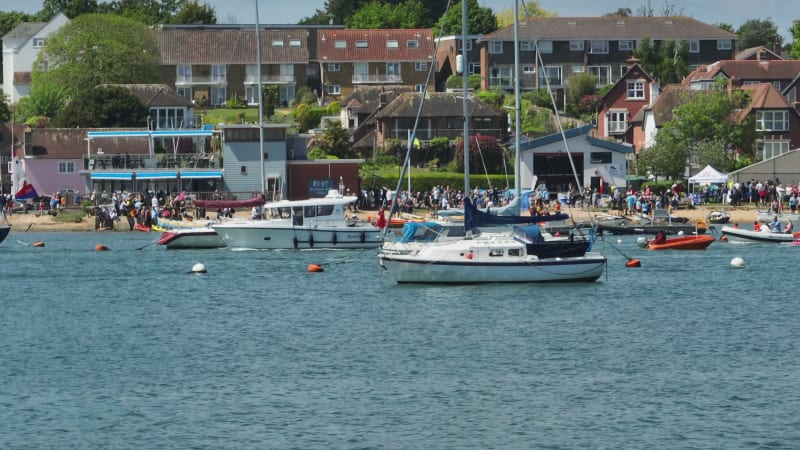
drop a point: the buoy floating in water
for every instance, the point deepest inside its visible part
(737, 262)
(619, 241)
(315, 268)
(633, 263)
(38, 244)
(100, 247)
(199, 268)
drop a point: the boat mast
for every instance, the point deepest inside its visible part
(260, 104)
(517, 109)
(465, 86)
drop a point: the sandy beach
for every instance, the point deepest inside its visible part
(22, 222)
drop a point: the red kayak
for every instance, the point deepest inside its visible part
(693, 242)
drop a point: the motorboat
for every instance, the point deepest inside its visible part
(734, 234)
(690, 242)
(302, 224)
(191, 238)
(719, 217)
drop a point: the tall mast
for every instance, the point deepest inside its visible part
(517, 103)
(465, 86)
(260, 105)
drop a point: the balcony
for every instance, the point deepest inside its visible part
(271, 79)
(161, 161)
(617, 127)
(205, 80)
(377, 79)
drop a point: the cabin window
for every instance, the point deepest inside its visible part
(334, 67)
(310, 211)
(772, 121)
(496, 47)
(495, 252)
(603, 74)
(515, 252)
(66, 167)
(324, 210)
(392, 43)
(294, 43)
(243, 170)
(362, 44)
(412, 43)
(527, 46)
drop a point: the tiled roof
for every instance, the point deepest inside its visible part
(152, 95)
(759, 52)
(747, 70)
(610, 28)
(373, 45)
(193, 46)
(762, 96)
(437, 104)
(49, 143)
(25, 30)
(669, 99)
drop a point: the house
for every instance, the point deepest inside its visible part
(351, 58)
(442, 115)
(782, 74)
(598, 45)
(448, 50)
(21, 47)
(358, 109)
(166, 109)
(210, 64)
(596, 160)
(620, 107)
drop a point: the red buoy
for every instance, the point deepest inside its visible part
(100, 247)
(315, 268)
(38, 244)
(633, 263)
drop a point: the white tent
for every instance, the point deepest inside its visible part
(708, 175)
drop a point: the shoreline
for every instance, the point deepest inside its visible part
(22, 222)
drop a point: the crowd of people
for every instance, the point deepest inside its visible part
(139, 209)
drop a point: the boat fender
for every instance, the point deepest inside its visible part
(311, 240)
(100, 247)
(294, 241)
(335, 239)
(315, 268)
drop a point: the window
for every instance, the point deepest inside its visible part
(578, 69)
(474, 68)
(217, 72)
(334, 89)
(526, 46)
(185, 92)
(420, 66)
(545, 46)
(183, 74)
(500, 76)
(772, 121)
(529, 69)
(694, 46)
(724, 44)
(599, 47)
(496, 252)
(340, 44)
(287, 70)
(600, 157)
(277, 42)
(362, 44)
(636, 90)
(771, 149)
(551, 74)
(393, 68)
(617, 123)
(603, 74)
(392, 44)
(334, 67)
(412, 43)
(243, 170)
(294, 43)
(251, 94)
(515, 252)
(419, 88)
(38, 42)
(66, 167)
(576, 46)
(218, 95)
(625, 46)
(496, 47)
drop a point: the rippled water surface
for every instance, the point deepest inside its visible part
(127, 349)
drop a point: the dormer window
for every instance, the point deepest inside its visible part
(294, 42)
(392, 44)
(362, 44)
(277, 42)
(340, 44)
(412, 43)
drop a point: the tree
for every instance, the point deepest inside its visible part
(712, 152)
(98, 49)
(667, 158)
(335, 141)
(621, 12)
(192, 12)
(726, 26)
(795, 50)
(485, 155)
(379, 14)
(44, 100)
(103, 107)
(271, 94)
(70, 8)
(480, 20)
(667, 9)
(578, 87)
(755, 32)
(9, 20)
(667, 61)
(528, 9)
(5, 109)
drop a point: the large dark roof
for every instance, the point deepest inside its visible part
(231, 46)
(437, 105)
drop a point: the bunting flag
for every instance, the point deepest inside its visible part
(27, 191)
(416, 143)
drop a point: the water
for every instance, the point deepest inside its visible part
(126, 349)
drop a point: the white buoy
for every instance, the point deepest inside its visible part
(680, 233)
(641, 240)
(737, 262)
(619, 241)
(199, 268)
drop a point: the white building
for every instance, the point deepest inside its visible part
(21, 47)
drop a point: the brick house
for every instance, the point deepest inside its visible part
(620, 107)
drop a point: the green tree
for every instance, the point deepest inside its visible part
(486, 155)
(70, 8)
(5, 109)
(620, 12)
(794, 51)
(380, 14)
(667, 61)
(480, 20)
(192, 12)
(271, 94)
(578, 87)
(528, 9)
(726, 26)
(713, 152)
(335, 141)
(9, 20)
(668, 158)
(98, 49)
(44, 100)
(755, 32)
(103, 107)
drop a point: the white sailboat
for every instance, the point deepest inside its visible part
(499, 257)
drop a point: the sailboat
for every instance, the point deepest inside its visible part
(524, 255)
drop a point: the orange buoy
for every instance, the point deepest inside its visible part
(100, 247)
(314, 268)
(633, 263)
(38, 244)
(723, 238)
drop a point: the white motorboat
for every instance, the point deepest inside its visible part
(302, 224)
(195, 237)
(765, 216)
(765, 235)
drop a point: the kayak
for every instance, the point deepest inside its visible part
(698, 242)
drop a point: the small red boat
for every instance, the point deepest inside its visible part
(692, 242)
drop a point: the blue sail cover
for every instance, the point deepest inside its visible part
(474, 218)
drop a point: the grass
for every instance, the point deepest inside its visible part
(244, 115)
(69, 217)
